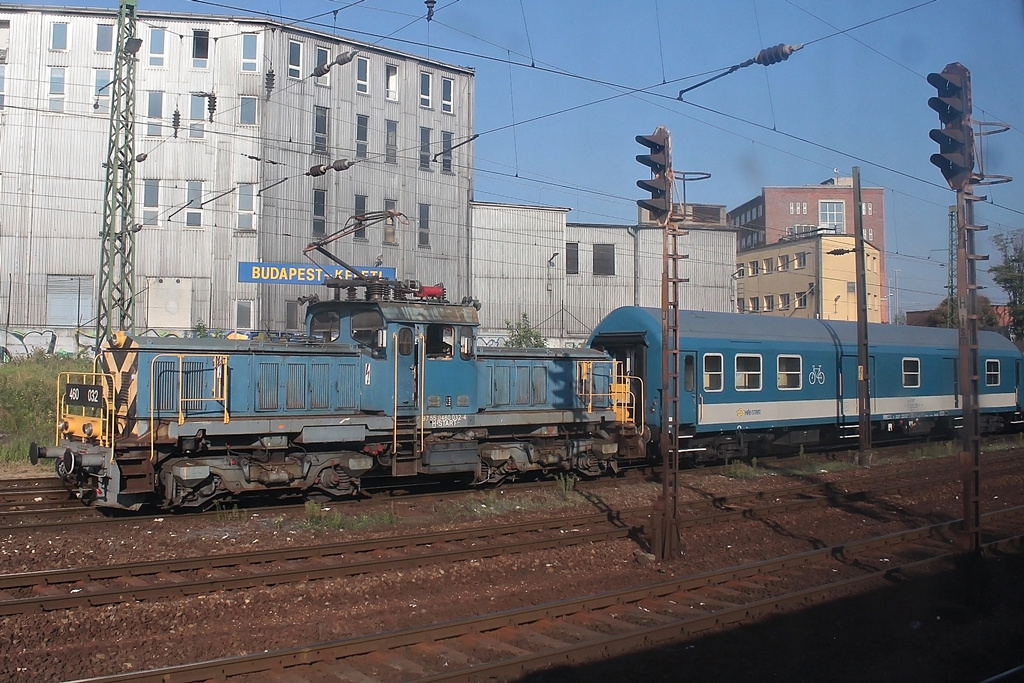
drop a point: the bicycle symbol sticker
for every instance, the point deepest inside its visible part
(816, 376)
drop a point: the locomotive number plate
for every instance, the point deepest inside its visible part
(88, 395)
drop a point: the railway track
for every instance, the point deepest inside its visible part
(102, 585)
(510, 644)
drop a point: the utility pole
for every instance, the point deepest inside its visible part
(116, 300)
(863, 361)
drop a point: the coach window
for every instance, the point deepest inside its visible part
(992, 373)
(688, 373)
(405, 341)
(911, 373)
(440, 341)
(367, 328)
(467, 343)
(748, 373)
(790, 372)
(713, 372)
(325, 325)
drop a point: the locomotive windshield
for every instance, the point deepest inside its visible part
(325, 325)
(366, 327)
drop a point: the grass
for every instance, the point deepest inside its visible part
(319, 518)
(28, 402)
(495, 503)
(737, 469)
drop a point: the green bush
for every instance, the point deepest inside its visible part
(28, 396)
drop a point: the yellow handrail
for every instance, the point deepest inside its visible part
(220, 388)
(623, 400)
(106, 420)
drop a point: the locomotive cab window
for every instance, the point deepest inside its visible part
(911, 373)
(992, 373)
(713, 372)
(368, 329)
(790, 372)
(748, 373)
(325, 325)
(440, 341)
(467, 342)
(405, 341)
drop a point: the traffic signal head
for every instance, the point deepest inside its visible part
(956, 137)
(659, 160)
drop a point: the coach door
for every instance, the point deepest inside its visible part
(848, 390)
(406, 371)
(449, 370)
(688, 394)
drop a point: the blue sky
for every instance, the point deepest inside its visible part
(853, 98)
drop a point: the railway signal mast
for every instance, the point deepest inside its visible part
(116, 300)
(956, 160)
(667, 539)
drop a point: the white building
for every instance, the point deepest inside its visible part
(211, 195)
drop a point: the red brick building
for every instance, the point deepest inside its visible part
(787, 212)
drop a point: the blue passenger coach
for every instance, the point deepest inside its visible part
(751, 385)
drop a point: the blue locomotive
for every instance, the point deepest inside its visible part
(756, 385)
(387, 380)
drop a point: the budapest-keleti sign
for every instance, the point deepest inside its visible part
(302, 273)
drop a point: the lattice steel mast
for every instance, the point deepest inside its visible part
(116, 300)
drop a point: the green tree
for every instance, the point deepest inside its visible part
(1009, 275)
(940, 315)
(521, 334)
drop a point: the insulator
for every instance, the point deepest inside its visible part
(269, 82)
(342, 165)
(776, 54)
(318, 170)
(211, 105)
(321, 70)
(176, 122)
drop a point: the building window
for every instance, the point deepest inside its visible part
(246, 206)
(424, 149)
(104, 37)
(360, 210)
(194, 216)
(755, 268)
(323, 55)
(790, 372)
(992, 373)
(801, 300)
(197, 114)
(2, 67)
(57, 88)
(426, 81)
(155, 112)
(714, 372)
(243, 314)
(362, 75)
(150, 201)
(755, 304)
(911, 373)
(319, 212)
(59, 37)
(200, 48)
(362, 135)
(424, 228)
(769, 266)
(604, 259)
(741, 271)
(748, 372)
(831, 217)
(247, 110)
(391, 142)
(801, 260)
(320, 130)
(572, 258)
(390, 236)
(769, 302)
(447, 95)
(446, 152)
(791, 212)
(391, 82)
(101, 103)
(156, 47)
(784, 262)
(784, 302)
(294, 59)
(249, 52)
(68, 300)
(741, 305)
(291, 315)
